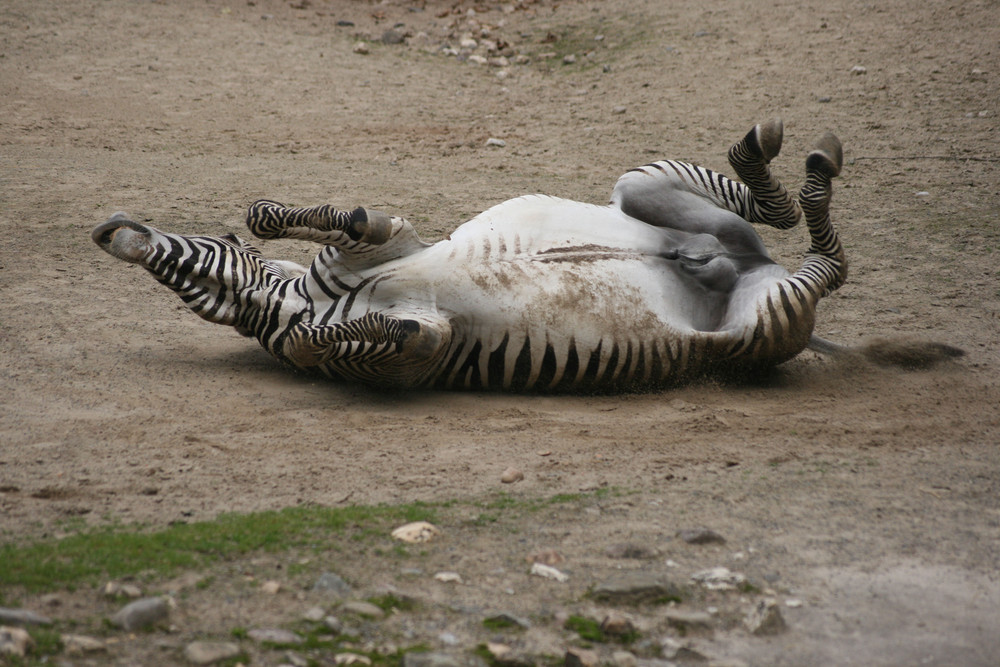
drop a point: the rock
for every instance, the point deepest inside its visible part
(334, 624)
(765, 619)
(629, 550)
(207, 653)
(351, 659)
(361, 608)
(141, 614)
(314, 614)
(393, 36)
(361, 48)
(719, 579)
(329, 582)
(441, 660)
(624, 659)
(548, 572)
(510, 475)
(22, 617)
(546, 557)
(617, 625)
(274, 636)
(675, 651)
(270, 587)
(581, 657)
(569, 59)
(619, 110)
(80, 644)
(416, 532)
(634, 587)
(15, 641)
(701, 536)
(688, 619)
(448, 577)
(858, 69)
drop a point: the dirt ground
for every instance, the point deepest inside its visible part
(873, 491)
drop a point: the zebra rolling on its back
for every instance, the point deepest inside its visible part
(667, 281)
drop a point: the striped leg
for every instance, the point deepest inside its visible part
(825, 265)
(767, 201)
(374, 348)
(364, 237)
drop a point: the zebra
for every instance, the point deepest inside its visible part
(667, 282)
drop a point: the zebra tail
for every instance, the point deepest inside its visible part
(905, 353)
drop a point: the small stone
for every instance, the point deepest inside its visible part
(678, 652)
(329, 582)
(131, 591)
(617, 625)
(81, 644)
(569, 59)
(441, 660)
(498, 650)
(858, 70)
(688, 619)
(793, 603)
(922, 193)
(361, 608)
(207, 653)
(477, 59)
(22, 617)
(765, 619)
(333, 624)
(314, 614)
(629, 550)
(393, 36)
(351, 659)
(719, 579)
(296, 660)
(581, 657)
(619, 110)
(634, 587)
(15, 641)
(824, 99)
(141, 614)
(274, 636)
(701, 536)
(468, 44)
(361, 48)
(546, 557)
(448, 577)
(512, 473)
(624, 659)
(548, 572)
(416, 532)
(270, 587)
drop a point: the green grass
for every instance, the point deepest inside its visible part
(113, 552)
(88, 557)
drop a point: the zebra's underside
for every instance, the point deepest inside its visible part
(666, 282)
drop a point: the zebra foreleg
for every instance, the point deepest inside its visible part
(764, 199)
(374, 348)
(364, 237)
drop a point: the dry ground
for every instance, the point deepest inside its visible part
(874, 492)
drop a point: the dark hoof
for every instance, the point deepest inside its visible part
(768, 137)
(828, 156)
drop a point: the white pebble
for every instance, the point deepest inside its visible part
(548, 572)
(493, 141)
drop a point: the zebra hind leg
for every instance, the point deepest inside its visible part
(768, 201)
(825, 258)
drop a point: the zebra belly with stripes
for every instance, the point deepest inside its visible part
(668, 281)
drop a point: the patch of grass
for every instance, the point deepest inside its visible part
(587, 628)
(390, 603)
(115, 553)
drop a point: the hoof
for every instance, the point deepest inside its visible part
(768, 136)
(828, 156)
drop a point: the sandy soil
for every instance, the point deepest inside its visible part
(873, 491)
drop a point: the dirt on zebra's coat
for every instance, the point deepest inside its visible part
(667, 281)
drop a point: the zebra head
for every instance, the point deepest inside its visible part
(222, 279)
